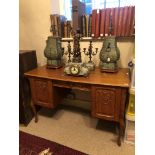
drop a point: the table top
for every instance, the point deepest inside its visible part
(25, 51)
(120, 78)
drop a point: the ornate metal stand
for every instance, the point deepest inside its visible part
(90, 53)
(76, 47)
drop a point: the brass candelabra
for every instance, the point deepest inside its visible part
(90, 53)
(69, 52)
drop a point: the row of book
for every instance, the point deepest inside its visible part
(57, 25)
(118, 21)
(60, 26)
(68, 26)
(86, 25)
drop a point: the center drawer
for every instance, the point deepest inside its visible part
(72, 85)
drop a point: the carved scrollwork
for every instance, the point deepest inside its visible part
(42, 90)
(105, 102)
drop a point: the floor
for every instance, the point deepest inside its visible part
(73, 127)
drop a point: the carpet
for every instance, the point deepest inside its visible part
(33, 145)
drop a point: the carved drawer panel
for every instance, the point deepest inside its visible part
(42, 92)
(105, 102)
(73, 85)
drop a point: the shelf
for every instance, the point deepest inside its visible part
(83, 39)
(98, 39)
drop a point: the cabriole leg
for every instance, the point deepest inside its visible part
(34, 111)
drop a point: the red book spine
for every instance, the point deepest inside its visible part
(107, 21)
(102, 26)
(97, 28)
(127, 33)
(124, 22)
(94, 12)
(113, 19)
(116, 21)
(132, 21)
(120, 21)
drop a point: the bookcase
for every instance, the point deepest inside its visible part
(122, 17)
(118, 21)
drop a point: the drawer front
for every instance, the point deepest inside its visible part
(42, 92)
(105, 102)
(72, 85)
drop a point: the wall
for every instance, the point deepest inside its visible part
(35, 28)
(126, 47)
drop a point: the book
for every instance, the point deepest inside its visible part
(83, 26)
(56, 24)
(97, 25)
(69, 28)
(102, 25)
(62, 20)
(107, 21)
(90, 25)
(94, 12)
(78, 9)
(112, 14)
(128, 23)
(52, 24)
(65, 29)
(116, 21)
(124, 21)
(120, 20)
(132, 24)
(87, 21)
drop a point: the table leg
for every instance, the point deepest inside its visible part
(119, 136)
(35, 112)
(121, 132)
(122, 116)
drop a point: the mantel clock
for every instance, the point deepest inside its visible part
(76, 67)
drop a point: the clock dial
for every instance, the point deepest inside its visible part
(74, 70)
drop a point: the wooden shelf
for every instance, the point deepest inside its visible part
(97, 39)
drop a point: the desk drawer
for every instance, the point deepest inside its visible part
(42, 92)
(106, 102)
(72, 85)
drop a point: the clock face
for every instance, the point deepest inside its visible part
(74, 70)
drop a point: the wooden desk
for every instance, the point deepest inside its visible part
(108, 92)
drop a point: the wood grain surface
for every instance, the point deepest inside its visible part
(121, 78)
